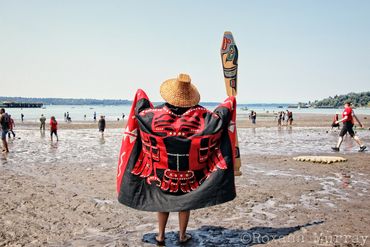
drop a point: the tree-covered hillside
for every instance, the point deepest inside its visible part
(357, 99)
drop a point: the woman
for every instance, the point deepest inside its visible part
(53, 128)
(101, 125)
(178, 156)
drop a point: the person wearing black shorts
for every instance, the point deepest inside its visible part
(101, 125)
(347, 128)
(347, 119)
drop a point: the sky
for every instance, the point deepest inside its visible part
(289, 51)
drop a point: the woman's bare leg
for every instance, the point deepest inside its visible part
(162, 222)
(183, 223)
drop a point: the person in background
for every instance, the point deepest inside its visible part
(11, 126)
(335, 122)
(94, 116)
(280, 117)
(42, 122)
(287, 117)
(85, 117)
(253, 117)
(123, 116)
(22, 117)
(53, 128)
(4, 122)
(348, 117)
(68, 119)
(101, 125)
(290, 117)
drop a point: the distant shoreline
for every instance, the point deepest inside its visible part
(263, 121)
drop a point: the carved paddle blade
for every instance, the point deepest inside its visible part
(229, 56)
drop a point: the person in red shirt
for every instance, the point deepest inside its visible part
(53, 128)
(335, 122)
(348, 117)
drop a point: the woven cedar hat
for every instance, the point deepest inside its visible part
(180, 91)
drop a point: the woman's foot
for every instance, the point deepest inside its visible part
(185, 238)
(160, 240)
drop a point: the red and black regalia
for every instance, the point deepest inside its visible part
(175, 159)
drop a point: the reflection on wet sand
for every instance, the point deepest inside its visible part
(42, 132)
(102, 140)
(346, 180)
(4, 158)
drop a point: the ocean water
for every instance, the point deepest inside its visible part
(112, 112)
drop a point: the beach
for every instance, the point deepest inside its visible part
(64, 194)
(126, 84)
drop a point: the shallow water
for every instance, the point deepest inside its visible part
(86, 146)
(82, 146)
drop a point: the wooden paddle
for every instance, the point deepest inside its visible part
(229, 56)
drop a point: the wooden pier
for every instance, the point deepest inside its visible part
(20, 105)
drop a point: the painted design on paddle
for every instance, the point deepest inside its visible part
(229, 55)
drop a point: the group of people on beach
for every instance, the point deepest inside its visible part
(253, 117)
(282, 117)
(53, 126)
(7, 126)
(67, 117)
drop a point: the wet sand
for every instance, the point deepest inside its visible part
(63, 194)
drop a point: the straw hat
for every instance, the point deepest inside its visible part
(180, 91)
